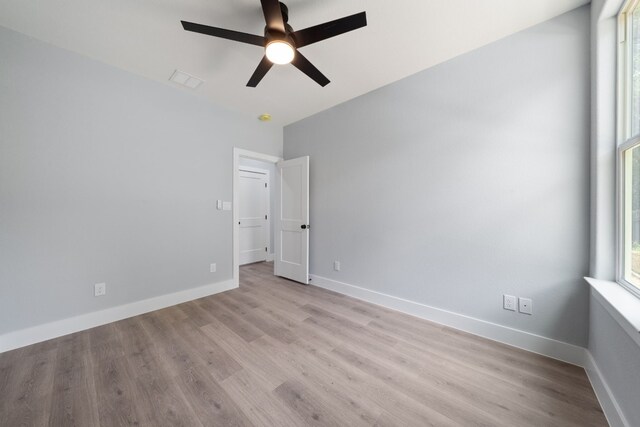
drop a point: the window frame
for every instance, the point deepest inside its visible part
(625, 141)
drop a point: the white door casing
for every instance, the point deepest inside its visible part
(292, 233)
(254, 207)
(239, 153)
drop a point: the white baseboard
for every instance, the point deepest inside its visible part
(609, 405)
(35, 334)
(535, 343)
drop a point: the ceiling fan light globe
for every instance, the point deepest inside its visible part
(280, 52)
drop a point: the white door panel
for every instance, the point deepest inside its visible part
(253, 217)
(292, 255)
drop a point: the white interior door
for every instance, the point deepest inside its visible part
(292, 247)
(253, 217)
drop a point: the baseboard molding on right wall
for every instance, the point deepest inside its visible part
(570, 353)
(609, 405)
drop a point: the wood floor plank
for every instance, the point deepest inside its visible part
(262, 407)
(278, 297)
(265, 323)
(355, 409)
(267, 373)
(395, 406)
(161, 402)
(212, 357)
(309, 405)
(547, 403)
(428, 393)
(73, 402)
(211, 404)
(273, 304)
(115, 391)
(234, 321)
(505, 364)
(275, 352)
(343, 326)
(31, 384)
(196, 314)
(157, 397)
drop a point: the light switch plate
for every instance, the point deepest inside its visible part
(219, 204)
(213, 268)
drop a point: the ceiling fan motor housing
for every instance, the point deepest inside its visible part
(271, 35)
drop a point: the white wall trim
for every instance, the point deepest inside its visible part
(531, 342)
(38, 333)
(609, 405)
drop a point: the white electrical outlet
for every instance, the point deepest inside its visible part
(509, 302)
(336, 265)
(525, 305)
(212, 268)
(99, 289)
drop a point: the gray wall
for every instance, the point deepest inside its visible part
(108, 177)
(618, 359)
(463, 182)
(273, 192)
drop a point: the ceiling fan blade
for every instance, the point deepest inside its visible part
(225, 34)
(329, 29)
(273, 15)
(303, 64)
(264, 66)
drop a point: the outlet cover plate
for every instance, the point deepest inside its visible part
(99, 289)
(509, 302)
(213, 268)
(525, 305)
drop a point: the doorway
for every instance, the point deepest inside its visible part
(290, 214)
(252, 162)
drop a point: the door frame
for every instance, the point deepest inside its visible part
(237, 153)
(267, 177)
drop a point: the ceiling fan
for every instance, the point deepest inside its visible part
(280, 42)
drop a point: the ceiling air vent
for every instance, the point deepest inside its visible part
(185, 79)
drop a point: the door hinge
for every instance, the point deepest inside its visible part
(265, 249)
(265, 185)
(265, 217)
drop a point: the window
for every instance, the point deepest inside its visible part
(629, 139)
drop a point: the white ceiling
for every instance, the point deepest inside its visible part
(402, 37)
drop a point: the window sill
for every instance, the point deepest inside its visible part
(623, 306)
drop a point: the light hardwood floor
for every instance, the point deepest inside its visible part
(277, 353)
